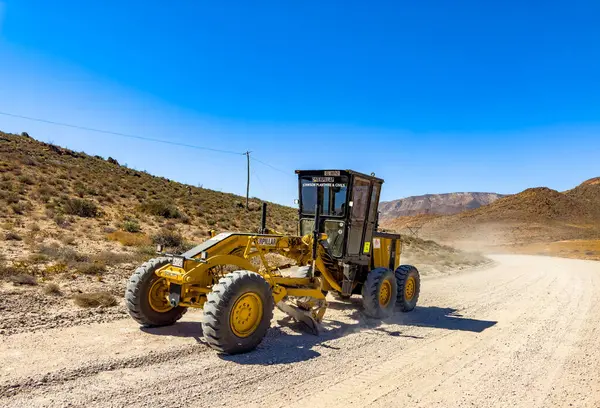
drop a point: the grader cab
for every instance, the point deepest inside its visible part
(338, 249)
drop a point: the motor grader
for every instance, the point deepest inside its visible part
(338, 250)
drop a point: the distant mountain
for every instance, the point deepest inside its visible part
(444, 204)
(537, 214)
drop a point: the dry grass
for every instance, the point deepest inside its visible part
(95, 299)
(110, 258)
(64, 254)
(129, 238)
(52, 289)
(91, 268)
(23, 279)
(12, 236)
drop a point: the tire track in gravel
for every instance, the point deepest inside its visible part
(451, 377)
(543, 347)
(64, 375)
(497, 288)
(425, 362)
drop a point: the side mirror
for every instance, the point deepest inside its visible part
(296, 201)
(159, 248)
(350, 203)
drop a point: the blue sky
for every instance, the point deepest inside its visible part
(433, 96)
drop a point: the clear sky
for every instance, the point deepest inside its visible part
(432, 96)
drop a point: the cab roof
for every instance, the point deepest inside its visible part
(347, 172)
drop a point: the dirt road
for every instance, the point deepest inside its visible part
(525, 333)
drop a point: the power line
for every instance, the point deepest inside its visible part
(247, 153)
(273, 167)
(109, 132)
(148, 139)
(264, 189)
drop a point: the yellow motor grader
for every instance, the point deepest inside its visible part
(338, 249)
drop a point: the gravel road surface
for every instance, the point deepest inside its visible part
(522, 333)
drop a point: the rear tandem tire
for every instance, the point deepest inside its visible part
(379, 293)
(409, 287)
(137, 296)
(238, 312)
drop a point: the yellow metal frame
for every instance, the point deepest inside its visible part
(249, 252)
(382, 249)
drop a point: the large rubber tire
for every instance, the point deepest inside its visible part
(219, 308)
(137, 296)
(403, 274)
(372, 289)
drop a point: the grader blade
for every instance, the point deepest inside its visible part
(301, 316)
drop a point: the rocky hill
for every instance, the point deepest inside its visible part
(535, 215)
(450, 203)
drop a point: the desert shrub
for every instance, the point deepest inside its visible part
(19, 208)
(91, 268)
(52, 289)
(146, 252)
(61, 221)
(37, 258)
(29, 161)
(23, 279)
(80, 189)
(68, 240)
(56, 269)
(5, 270)
(254, 206)
(12, 236)
(10, 197)
(26, 179)
(160, 208)
(131, 225)
(80, 207)
(167, 238)
(95, 299)
(129, 238)
(110, 258)
(64, 254)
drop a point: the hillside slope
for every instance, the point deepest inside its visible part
(534, 215)
(37, 178)
(450, 203)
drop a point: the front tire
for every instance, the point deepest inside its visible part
(238, 312)
(409, 287)
(379, 293)
(145, 296)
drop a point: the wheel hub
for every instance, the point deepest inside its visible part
(246, 314)
(385, 293)
(409, 288)
(157, 296)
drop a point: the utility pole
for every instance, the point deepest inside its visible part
(248, 179)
